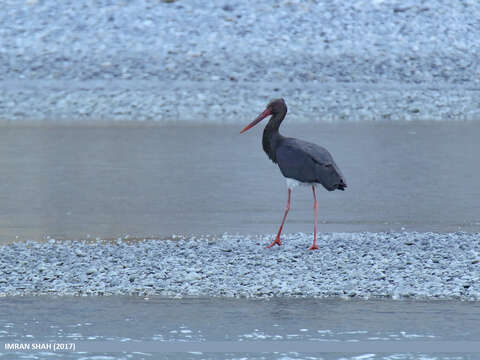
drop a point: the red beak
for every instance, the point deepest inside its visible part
(259, 118)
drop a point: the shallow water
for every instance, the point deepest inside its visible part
(137, 320)
(77, 182)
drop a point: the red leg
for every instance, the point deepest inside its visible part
(277, 239)
(315, 210)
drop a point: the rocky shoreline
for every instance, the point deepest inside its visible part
(347, 265)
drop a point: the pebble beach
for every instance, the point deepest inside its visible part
(347, 265)
(211, 62)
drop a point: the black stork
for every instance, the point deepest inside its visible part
(301, 162)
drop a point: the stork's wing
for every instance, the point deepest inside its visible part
(310, 163)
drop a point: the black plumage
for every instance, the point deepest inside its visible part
(308, 163)
(297, 159)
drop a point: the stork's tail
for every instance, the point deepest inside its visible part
(342, 185)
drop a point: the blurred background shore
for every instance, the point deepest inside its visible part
(95, 62)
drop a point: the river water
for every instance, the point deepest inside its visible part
(79, 182)
(147, 323)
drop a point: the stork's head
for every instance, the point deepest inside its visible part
(277, 106)
(274, 107)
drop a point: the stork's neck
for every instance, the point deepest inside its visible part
(271, 135)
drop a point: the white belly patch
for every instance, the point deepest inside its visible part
(292, 183)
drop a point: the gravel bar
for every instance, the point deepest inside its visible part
(141, 102)
(347, 265)
(215, 61)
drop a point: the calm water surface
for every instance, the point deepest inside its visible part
(69, 182)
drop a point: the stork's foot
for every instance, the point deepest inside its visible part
(277, 241)
(314, 247)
